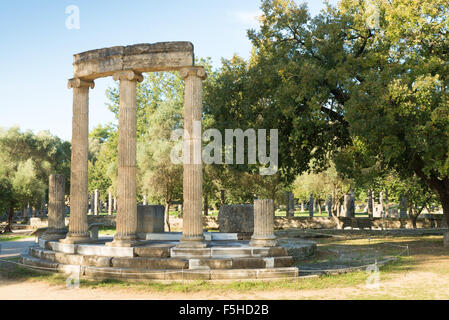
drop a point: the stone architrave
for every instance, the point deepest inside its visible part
(126, 221)
(192, 233)
(56, 208)
(263, 235)
(78, 227)
(310, 205)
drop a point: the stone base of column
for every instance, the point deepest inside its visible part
(263, 241)
(128, 241)
(192, 242)
(54, 234)
(77, 238)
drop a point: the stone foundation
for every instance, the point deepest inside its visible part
(163, 260)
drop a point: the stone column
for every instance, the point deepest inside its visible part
(347, 206)
(192, 233)
(263, 235)
(370, 203)
(89, 204)
(329, 206)
(56, 208)
(222, 197)
(381, 203)
(78, 232)
(287, 204)
(110, 203)
(403, 207)
(292, 204)
(311, 203)
(96, 202)
(126, 222)
(352, 194)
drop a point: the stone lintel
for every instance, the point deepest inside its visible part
(163, 56)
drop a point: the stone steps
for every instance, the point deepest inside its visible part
(165, 250)
(151, 263)
(103, 273)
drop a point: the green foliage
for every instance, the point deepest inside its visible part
(26, 161)
(372, 97)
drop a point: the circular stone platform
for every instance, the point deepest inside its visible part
(161, 260)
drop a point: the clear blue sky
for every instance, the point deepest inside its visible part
(36, 48)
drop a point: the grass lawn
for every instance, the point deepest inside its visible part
(12, 237)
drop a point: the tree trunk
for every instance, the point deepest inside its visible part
(10, 216)
(439, 186)
(413, 219)
(319, 206)
(206, 205)
(167, 216)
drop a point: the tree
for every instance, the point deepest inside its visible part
(337, 81)
(160, 178)
(26, 161)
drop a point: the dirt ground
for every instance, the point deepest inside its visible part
(426, 277)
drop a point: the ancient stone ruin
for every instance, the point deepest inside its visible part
(139, 249)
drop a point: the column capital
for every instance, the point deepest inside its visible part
(193, 72)
(79, 83)
(130, 75)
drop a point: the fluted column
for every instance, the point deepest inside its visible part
(110, 204)
(78, 170)
(347, 206)
(263, 235)
(126, 221)
(56, 208)
(192, 233)
(96, 202)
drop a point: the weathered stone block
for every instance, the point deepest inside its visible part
(248, 263)
(150, 219)
(150, 263)
(188, 275)
(233, 274)
(161, 251)
(190, 253)
(277, 273)
(207, 264)
(105, 251)
(231, 252)
(236, 218)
